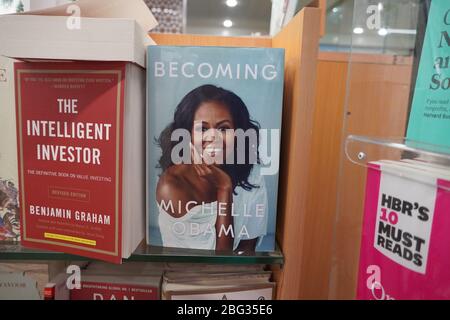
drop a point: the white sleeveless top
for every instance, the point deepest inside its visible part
(195, 230)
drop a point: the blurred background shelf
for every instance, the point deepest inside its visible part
(145, 253)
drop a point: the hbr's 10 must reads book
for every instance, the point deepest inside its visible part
(213, 146)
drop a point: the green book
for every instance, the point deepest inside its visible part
(429, 121)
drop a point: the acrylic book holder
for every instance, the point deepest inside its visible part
(361, 150)
(380, 87)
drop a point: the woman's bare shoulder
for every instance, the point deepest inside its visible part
(170, 185)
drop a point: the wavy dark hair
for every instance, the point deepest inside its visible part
(184, 119)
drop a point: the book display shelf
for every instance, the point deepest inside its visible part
(146, 253)
(363, 194)
(300, 39)
(392, 206)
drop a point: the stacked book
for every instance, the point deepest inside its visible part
(23, 281)
(166, 281)
(130, 281)
(217, 282)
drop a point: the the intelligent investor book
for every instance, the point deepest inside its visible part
(213, 145)
(429, 121)
(79, 154)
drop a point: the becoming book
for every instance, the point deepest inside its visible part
(213, 146)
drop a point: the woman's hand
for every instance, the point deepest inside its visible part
(215, 176)
(224, 186)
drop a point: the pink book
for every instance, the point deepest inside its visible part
(405, 234)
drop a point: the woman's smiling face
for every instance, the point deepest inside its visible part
(212, 119)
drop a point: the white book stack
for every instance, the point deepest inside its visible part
(207, 282)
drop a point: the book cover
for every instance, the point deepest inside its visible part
(9, 200)
(200, 283)
(23, 280)
(213, 146)
(429, 120)
(252, 292)
(128, 281)
(18, 286)
(404, 253)
(69, 129)
(99, 288)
